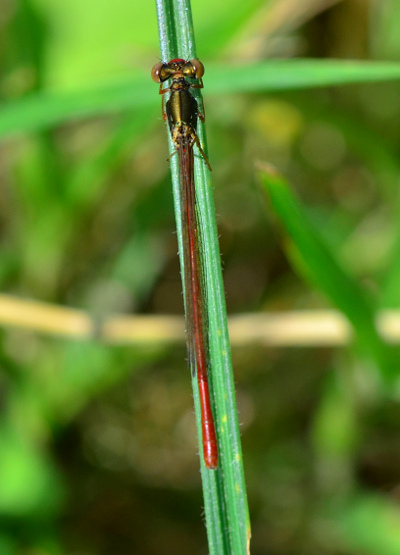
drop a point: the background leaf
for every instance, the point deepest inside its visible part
(100, 439)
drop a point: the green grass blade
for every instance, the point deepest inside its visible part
(282, 75)
(224, 489)
(47, 109)
(314, 259)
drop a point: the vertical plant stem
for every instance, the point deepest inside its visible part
(224, 490)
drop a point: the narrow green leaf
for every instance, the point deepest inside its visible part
(280, 75)
(314, 259)
(47, 109)
(224, 489)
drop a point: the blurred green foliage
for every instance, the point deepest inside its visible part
(97, 443)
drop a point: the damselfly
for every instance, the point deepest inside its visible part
(181, 110)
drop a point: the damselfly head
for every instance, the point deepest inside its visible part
(193, 69)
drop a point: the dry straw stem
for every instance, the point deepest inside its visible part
(285, 329)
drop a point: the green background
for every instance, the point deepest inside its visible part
(97, 443)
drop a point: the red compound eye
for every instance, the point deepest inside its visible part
(198, 68)
(155, 72)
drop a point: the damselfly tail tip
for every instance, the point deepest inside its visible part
(210, 454)
(211, 462)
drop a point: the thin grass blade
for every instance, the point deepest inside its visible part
(314, 260)
(224, 489)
